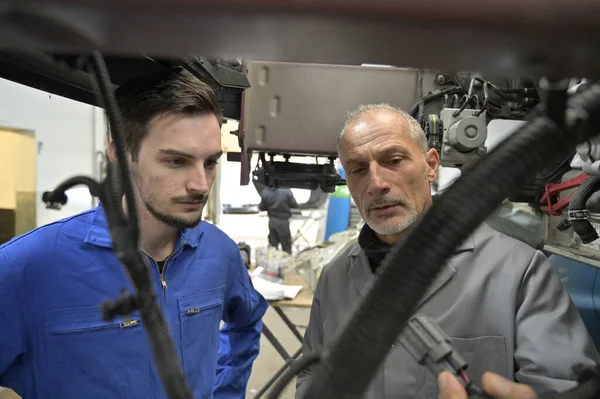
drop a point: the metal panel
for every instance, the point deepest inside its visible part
(300, 108)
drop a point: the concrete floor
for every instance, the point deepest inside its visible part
(269, 361)
(253, 229)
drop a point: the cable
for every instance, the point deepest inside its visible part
(361, 347)
(578, 215)
(434, 95)
(421, 101)
(295, 368)
(56, 198)
(114, 118)
(469, 96)
(125, 235)
(486, 99)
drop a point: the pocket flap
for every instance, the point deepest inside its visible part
(87, 318)
(194, 303)
(483, 353)
(488, 344)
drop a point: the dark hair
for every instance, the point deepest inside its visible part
(173, 91)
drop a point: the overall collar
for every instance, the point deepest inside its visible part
(98, 234)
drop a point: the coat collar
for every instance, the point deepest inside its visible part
(362, 277)
(99, 235)
(467, 245)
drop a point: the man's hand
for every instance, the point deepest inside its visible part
(492, 384)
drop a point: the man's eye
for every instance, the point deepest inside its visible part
(395, 161)
(176, 161)
(355, 171)
(211, 164)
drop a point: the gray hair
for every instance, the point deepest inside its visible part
(414, 128)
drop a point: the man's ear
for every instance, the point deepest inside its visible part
(112, 153)
(110, 147)
(432, 158)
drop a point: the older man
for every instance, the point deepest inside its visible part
(497, 298)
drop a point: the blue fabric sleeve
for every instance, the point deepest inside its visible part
(12, 331)
(239, 341)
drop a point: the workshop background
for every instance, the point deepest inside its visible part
(45, 139)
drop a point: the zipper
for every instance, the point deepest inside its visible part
(129, 323)
(193, 311)
(163, 280)
(125, 324)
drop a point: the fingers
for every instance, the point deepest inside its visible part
(501, 388)
(449, 387)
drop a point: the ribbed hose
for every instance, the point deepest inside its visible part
(413, 264)
(163, 349)
(295, 368)
(116, 127)
(125, 235)
(58, 194)
(583, 227)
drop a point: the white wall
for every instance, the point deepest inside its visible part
(64, 132)
(69, 135)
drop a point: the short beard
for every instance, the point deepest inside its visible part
(165, 218)
(171, 220)
(387, 229)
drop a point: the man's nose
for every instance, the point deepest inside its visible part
(378, 184)
(197, 182)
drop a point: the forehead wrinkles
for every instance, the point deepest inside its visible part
(368, 135)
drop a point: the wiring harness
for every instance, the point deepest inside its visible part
(498, 102)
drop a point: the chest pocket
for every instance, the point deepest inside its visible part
(90, 358)
(200, 317)
(481, 354)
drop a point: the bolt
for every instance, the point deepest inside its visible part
(471, 131)
(440, 79)
(481, 152)
(447, 150)
(576, 117)
(446, 141)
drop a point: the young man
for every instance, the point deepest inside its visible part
(53, 341)
(497, 298)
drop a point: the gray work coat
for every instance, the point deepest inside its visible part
(497, 298)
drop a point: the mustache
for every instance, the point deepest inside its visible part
(386, 201)
(191, 198)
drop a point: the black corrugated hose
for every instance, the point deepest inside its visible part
(59, 197)
(582, 226)
(412, 265)
(125, 235)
